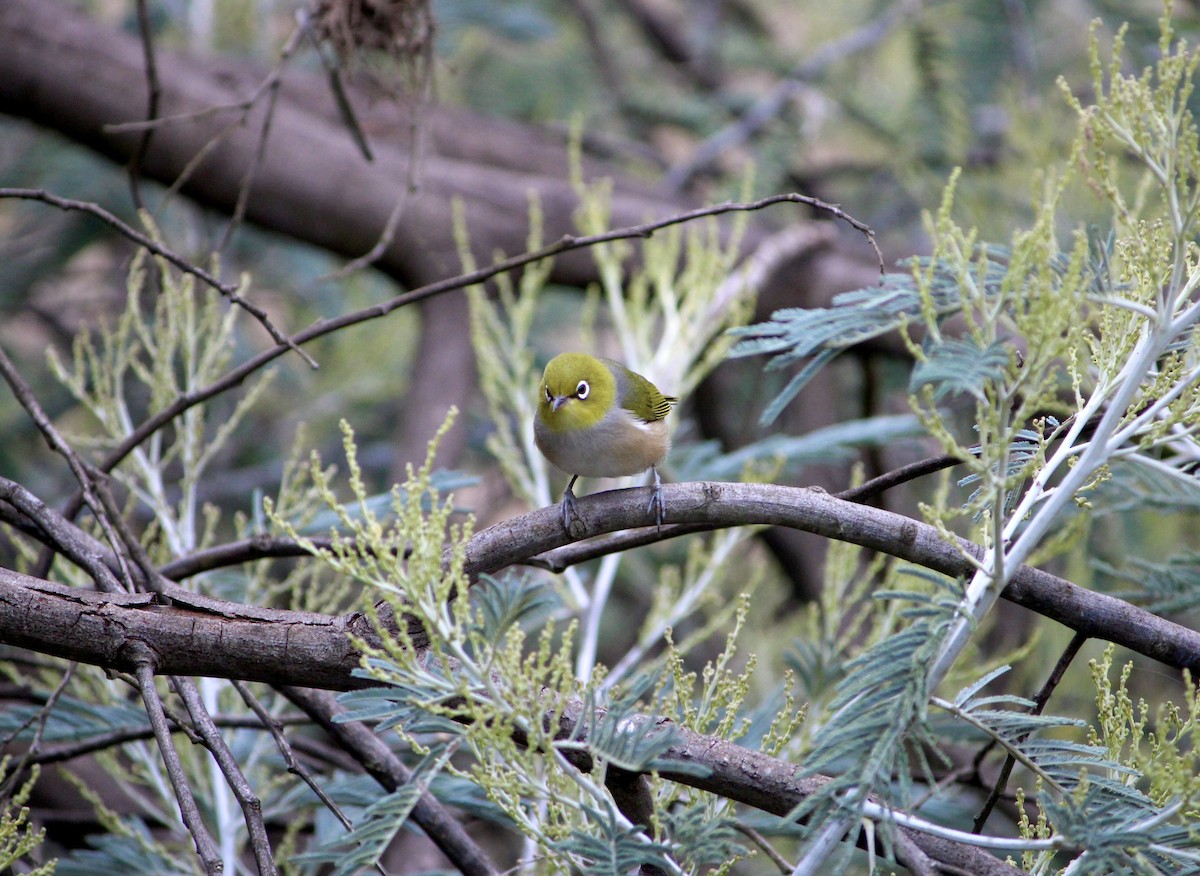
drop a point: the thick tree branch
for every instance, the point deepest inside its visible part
(70, 73)
(204, 636)
(731, 504)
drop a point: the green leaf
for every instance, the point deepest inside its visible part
(361, 847)
(133, 854)
(960, 366)
(704, 460)
(505, 602)
(613, 850)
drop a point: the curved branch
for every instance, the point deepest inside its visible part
(772, 785)
(198, 635)
(538, 539)
(1095, 615)
(322, 327)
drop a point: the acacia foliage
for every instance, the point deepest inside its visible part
(1101, 402)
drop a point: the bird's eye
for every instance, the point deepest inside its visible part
(546, 390)
(581, 391)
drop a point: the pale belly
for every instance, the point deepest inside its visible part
(615, 448)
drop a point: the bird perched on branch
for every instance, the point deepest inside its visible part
(598, 419)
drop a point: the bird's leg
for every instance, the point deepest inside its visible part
(568, 505)
(656, 500)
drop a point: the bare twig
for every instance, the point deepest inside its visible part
(205, 847)
(153, 95)
(603, 57)
(334, 74)
(412, 175)
(288, 753)
(87, 553)
(272, 89)
(129, 540)
(102, 741)
(212, 739)
(563, 558)
(761, 841)
(79, 469)
(897, 476)
(74, 543)
(670, 40)
(228, 290)
(245, 550)
(1039, 703)
(30, 754)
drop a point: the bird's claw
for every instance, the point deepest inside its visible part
(571, 520)
(656, 502)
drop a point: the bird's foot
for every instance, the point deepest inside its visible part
(572, 522)
(656, 502)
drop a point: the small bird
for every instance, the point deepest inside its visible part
(598, 419)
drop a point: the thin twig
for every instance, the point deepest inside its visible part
(672, 41)
(228, 290)
(102, 741)
(59, 445)
(272, 91)
(897, 476)
(334, 74)
(761, 841)
(288, 753)
(212, 739)
(412, 176)
(563, 558)
(205, 847)
(87, 553)
(65, 538)
(153, 96)
(1039, 704)
(31, 753)
(137, 551)
(326, 326)
(245, 550)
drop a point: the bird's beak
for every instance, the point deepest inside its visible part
(559, 401)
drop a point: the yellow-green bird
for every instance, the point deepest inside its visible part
(598, 419)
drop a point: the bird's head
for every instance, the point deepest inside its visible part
(577, 391)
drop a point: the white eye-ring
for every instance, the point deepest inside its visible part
(581, 391)
(549, 397)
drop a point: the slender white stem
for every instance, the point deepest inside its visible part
(999, 843)
(1125, 304)
(1025, 534)
(601, 589)
(724, 544)
(602, 797)
(822, 845)
(226, 811)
